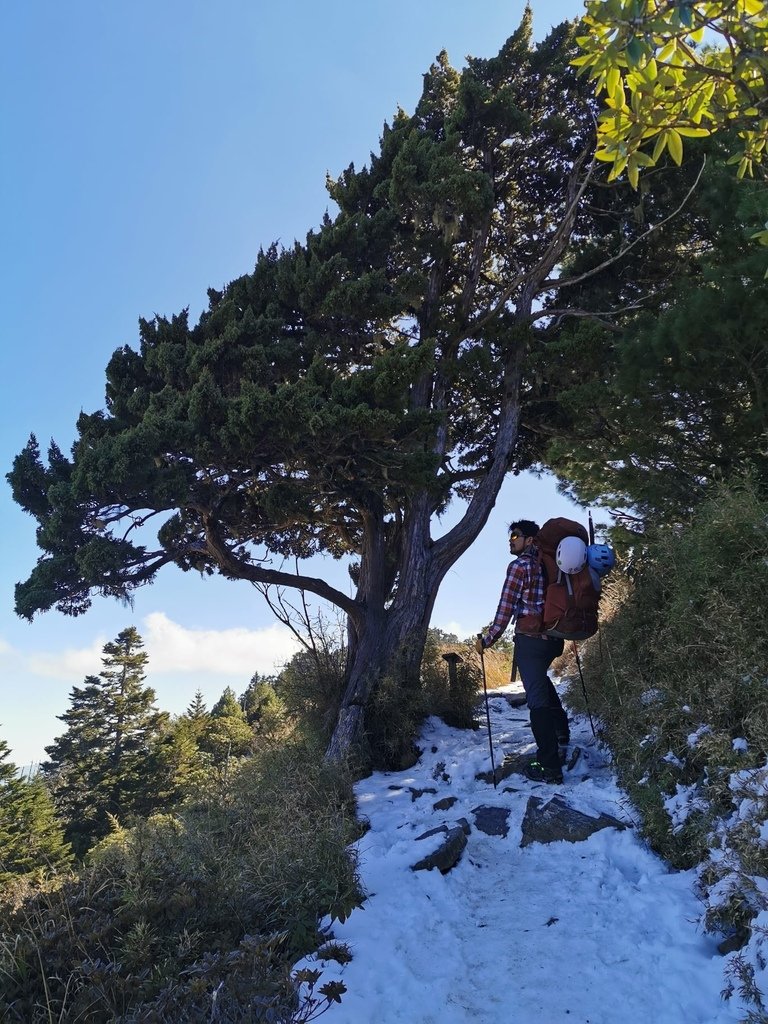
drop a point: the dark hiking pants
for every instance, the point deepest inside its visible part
(549, 722)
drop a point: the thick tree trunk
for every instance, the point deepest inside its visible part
(391, 647)
(390, 640)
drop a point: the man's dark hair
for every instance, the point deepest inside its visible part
(525, 526)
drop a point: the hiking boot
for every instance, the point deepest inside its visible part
(563, 739)
(538, 773)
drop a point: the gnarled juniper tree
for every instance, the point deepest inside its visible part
(336, 398)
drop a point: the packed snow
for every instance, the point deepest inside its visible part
(594, 932)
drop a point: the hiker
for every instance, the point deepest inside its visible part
(522, 598)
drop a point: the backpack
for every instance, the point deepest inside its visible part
(570, 599)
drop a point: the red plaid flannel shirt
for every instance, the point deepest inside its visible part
(522, 593)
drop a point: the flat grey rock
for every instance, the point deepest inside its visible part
(492, 820)
(554, 821)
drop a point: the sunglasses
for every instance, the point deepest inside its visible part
(515, 536)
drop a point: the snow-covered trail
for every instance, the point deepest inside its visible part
(596, 932)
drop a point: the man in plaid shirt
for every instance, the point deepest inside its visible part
(522, 598)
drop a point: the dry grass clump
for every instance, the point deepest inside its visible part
(498, 663)
(451, 684)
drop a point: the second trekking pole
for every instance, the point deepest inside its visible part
(487, 711)
(584, 688)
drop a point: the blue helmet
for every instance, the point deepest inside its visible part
(601, 558)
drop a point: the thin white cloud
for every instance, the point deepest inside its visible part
(173, 650)
(72, 664)
(238, 652)
(454, 627)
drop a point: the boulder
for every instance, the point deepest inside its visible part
(513, 764)
(491, 820)
(553, 821)
(735, 941)
(448, 852)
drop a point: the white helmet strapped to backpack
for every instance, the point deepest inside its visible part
(571, 555)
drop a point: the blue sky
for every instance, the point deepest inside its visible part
(150, 149)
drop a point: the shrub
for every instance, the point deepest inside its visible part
(310, 687)
(186, 913)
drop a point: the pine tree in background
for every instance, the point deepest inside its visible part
(249, 701)
(107, 762)
(228, 706)
(31, 837)
(197, 711)
(264, 711)
(227, 733)
(187, 764)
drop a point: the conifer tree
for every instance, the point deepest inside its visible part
(340, 396)
(106, 762)
(676, 402)
(197, 711)
(227, 733)
(186, 763)
(31, 836)
(263, 708)
(228, 706)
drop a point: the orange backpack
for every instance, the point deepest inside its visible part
(570, 599)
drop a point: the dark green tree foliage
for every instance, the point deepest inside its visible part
(31, 836)
(336, 398)
(264, 710)
(227, 732)
(8, 779)
(250, 701)
(186, 764)
(228, 706)
(677, 401)
(106, 762)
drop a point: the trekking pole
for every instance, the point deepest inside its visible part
(584, 688)
(613, 670)
(487, 711)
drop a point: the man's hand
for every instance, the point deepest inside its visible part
(479, 645)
